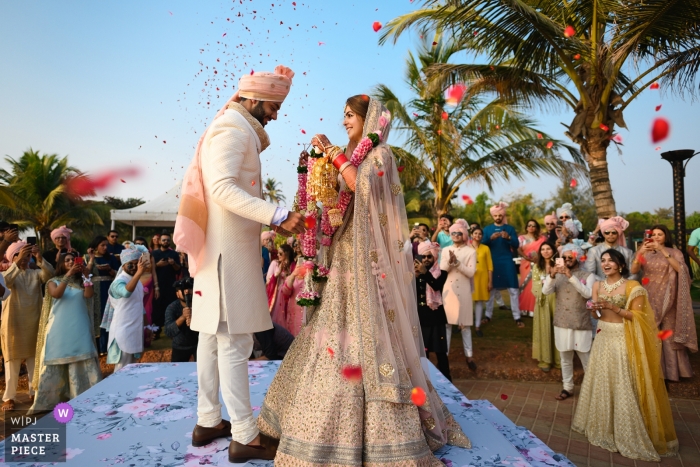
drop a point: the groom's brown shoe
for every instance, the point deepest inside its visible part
(238, 452)
(201, 436)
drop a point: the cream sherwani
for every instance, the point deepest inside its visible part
(230, 302)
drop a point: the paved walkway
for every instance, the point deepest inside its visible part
(533, 406)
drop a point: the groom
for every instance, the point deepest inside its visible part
(229, 302)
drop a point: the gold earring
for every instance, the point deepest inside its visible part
(620, 270)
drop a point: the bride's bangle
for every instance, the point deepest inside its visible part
(344, 166)
(339, 161)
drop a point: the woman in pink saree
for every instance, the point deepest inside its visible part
(280, 269)
(529, 246)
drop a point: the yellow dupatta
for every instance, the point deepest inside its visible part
(644, 351)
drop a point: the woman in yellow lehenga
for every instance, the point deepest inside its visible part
(623, 406)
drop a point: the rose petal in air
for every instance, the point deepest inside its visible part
(654, 86)
(330, 352)
(445, 116)
(665, 334)
(400, 168)
(550, 145)
(122, 180)
(352, 373)
(198, 292)
(658, 107)
(660, 129)
(252, 183)
(539, 135)
(418, 396)
(573, 183)
(380, 173)
(569, 31)
(303, 132)
(645, 281)
(603, 127)
(376, 26)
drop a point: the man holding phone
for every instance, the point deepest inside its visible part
(61, 240)
(572, 323)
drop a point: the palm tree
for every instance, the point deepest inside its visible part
(272, 191)
(35, 185)
(596, 56)
(478, 140)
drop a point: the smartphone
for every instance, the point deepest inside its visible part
(79, 261)
(418, 258)
(559, 262)
(31, 240)
(647, 235)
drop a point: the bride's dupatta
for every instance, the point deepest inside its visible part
(644, 351)
(393, 355)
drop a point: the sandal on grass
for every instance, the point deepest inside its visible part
(519, 323)
(563, 395)
(486, 320)
(8, 405)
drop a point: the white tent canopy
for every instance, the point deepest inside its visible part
(160, 212)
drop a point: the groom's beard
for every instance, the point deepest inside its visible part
(258, 112)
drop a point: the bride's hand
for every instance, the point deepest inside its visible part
(321, 142)
(350, 176)
(303, 157)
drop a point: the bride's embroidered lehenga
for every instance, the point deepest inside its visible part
(367, 317)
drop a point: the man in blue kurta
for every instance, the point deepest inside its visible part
(502, 239)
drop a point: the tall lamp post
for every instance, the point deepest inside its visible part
(676, 158)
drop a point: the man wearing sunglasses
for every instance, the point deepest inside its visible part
(613, 233)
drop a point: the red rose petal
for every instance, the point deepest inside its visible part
(415, 114)
(455, 93)
(224, 35)
(400, 168)
(654, 86)
(469, 200)
(380, 173)
(550, 145)
(573, 183)
(657, 148)
(504, 397)
(418, 396)
(383, 276)
(660, 129)
(645, 281)
(434, 44)
(583, 258)
(376, 26)
(252, 71)
(597, 331)
(665, 334)
(539, 135)
(330, 352)
(604, 127)
(439, 132)
(464, 197)
(122, 180)
(617, 138)
(445, 116)
(577, 56)
(252, 183)
(310, 222)
(303, 132)
(569, 31)
(658, 107)
(642, 260)
(352, 373)
(198, 292)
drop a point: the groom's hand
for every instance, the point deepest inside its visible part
(294, 223)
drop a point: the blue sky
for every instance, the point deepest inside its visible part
(116, 84)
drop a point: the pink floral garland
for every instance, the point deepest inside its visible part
(308, 204)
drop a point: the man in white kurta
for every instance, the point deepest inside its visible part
(229, 302)
(572, 324)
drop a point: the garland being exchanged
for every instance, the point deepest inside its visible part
(310, 192)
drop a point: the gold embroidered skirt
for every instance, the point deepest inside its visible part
(607, 411)
(321, 418)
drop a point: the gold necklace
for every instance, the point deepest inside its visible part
(609, 288)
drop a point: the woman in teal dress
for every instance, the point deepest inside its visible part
(543, 349)
(66, 356)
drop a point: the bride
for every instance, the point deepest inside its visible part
(343, 394)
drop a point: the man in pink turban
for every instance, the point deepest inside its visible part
(502, 240)
(550, 222)
(61, 240)
(21, 313)
(429, 283)
(613, 233)
(222, 200)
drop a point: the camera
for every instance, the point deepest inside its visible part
(184, 285)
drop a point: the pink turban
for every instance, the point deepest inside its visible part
(269, 235)
(266, 86)
(433, 298)
(499, 208)
(13, 249)
(550, 218)
(62, 230)
(460, 225)
(617, 223)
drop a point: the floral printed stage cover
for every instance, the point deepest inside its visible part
(144, 414)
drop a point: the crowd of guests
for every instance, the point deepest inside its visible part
(626, 314)
(61, 311)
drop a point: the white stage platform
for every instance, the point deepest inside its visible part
(144, 414)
